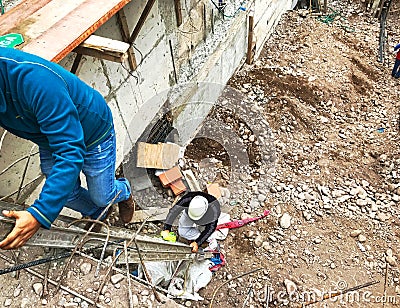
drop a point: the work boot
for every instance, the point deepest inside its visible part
(126, 210)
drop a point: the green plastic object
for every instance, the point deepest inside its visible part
(11, 40)
(170, 237)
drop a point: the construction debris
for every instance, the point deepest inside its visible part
(151, 214)
(183, 279)
(172, 178)
(191, 180)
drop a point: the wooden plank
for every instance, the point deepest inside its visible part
(60, 26)
(142, 19)
(19, 13)
(76, 66)
(178, 12)
(191, 180)
(249, 56)
(123, 24)
(157, 156)
(105, 44)
(103, 48)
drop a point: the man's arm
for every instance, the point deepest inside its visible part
(58, 120)
(208, 230)
(176, 210)
(172, 214)
(47, 96)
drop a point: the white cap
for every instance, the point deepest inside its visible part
(197, 207)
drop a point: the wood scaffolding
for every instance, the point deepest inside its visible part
(54, 28)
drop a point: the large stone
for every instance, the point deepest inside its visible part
(391, 260)
(355, 233)
(362, 238)
(285, 221)
(117, 278)
(17, 291)
(291, 287)
(135, 300)
(258, 241)
(38, 288)
(85, 268)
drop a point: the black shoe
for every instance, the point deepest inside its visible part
(126, 210)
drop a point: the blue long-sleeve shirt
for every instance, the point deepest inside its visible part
(42, 102)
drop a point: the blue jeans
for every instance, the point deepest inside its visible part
(99, 169)
(396, 71)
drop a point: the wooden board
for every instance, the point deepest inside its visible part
(104, 48)
(19, 13)
(191, 180)
(59, 26)
(158, 156)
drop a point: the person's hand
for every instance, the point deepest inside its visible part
(25, 227)
(195, 247)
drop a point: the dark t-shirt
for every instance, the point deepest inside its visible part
(209, 219)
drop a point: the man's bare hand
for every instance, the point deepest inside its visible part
(195, 247)
(25, 227)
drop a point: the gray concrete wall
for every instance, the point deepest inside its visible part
(205, 57)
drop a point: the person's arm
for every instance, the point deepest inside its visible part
(172, 214)
(58, 119)
(208, 230)
(175, 211)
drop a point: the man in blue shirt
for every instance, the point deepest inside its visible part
(71, 123)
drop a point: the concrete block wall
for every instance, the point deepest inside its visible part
(204, 56)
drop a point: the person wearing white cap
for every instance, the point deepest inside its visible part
(200, 213)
